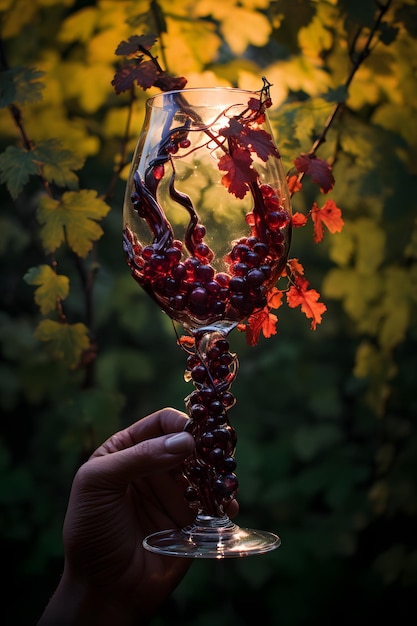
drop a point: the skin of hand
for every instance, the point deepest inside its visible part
(130, 487)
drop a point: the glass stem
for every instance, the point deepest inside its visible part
(212, 483)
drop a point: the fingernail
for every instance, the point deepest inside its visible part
(181, 442)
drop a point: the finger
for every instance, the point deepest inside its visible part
(160, 422)
(143, 459)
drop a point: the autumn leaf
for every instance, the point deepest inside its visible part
(74, 218)
(294, 184)
(165, 82)
(134, 44)
(299, 295)
(58, 164)
(263, 321)
(319, 170)
(298, 220)
(295, 267)
(51, 287)
(330, 215)
(274, 298)
(252, 139)
(66, 342)
(144, 74)
(239, 172)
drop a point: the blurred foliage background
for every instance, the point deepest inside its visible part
(326, 420)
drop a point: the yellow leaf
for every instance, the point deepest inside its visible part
(240, 22)
(297, 73)
(18, 14)
(51, 287)
(396, 307)
(370, 240)
(79, 26)
(112, 29)
(184, 47)
(115, 120)
(253, 29)
(66, 342)
(374, 364)
(74, 218)
(342, 246)
(357, 293)
(315, 38)
(89, 83)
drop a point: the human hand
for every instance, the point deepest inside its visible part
(131, 486)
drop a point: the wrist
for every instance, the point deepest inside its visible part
(75, 603)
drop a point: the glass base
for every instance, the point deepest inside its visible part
(212, 538)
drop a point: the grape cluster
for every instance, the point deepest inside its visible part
(210, 471)
(189, 288)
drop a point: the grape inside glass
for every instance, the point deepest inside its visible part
(206, 233)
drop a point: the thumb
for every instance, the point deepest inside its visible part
(152, 456)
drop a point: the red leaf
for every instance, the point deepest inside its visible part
(253, 139)
(299, 219)
(170, 83)
(300, 295)
(319, 170)
(145, 74)
(330, 215)
(263, 321)
(239, 172)
(134, 44)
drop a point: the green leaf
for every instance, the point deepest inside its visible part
(20, 85)
(66, 342)
(28, 87)
(73, 218)
(16, 166)
(51, 287)
(338, 95)
(57, 164)
(309, 441)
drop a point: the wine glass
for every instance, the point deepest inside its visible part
(206, 234)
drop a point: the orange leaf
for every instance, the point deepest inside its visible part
(261, 321)
(274, 298)
(269, 327)
(330, 215)
(300, 295)
(295, 267)
(294, 184)
(299, 219)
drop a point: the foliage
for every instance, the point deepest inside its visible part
(329, 461)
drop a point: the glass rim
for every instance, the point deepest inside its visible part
(189, 90)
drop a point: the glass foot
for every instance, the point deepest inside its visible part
(212, 538)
